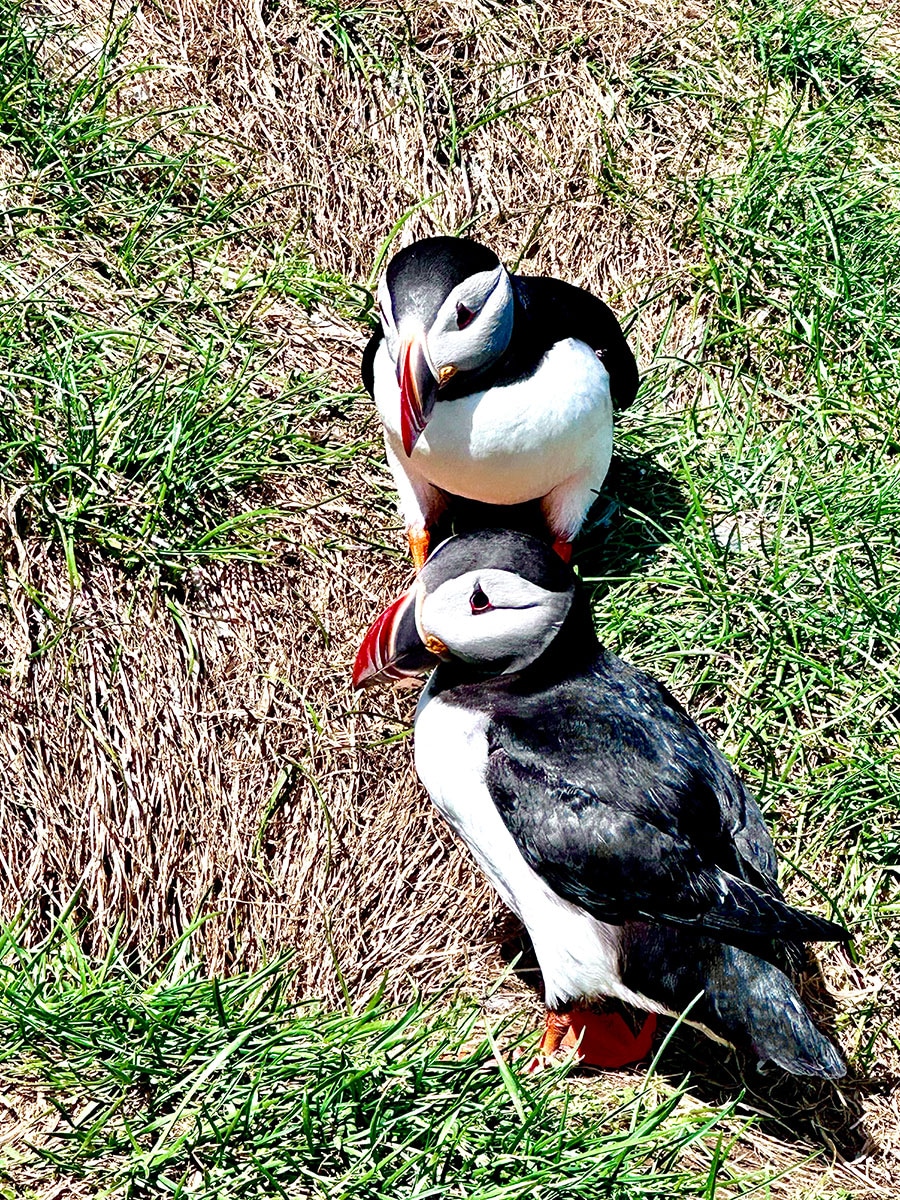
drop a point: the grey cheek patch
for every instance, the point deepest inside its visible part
(489, 295)
(526, 651)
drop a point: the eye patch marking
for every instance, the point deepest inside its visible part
(478, 601)
(464, 316)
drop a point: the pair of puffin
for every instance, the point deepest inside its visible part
(606, 820)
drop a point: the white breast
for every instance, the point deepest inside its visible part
(514, 442)
(578, 955)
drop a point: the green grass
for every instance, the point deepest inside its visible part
(171, 1083)
(139, 394)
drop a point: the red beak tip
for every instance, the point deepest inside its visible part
(375, 656)
(364, 668)
(410, 429)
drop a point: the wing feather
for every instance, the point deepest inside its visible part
(568, 311)
(624, 807)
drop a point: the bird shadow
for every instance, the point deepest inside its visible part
(793, 1110)
(639, 507)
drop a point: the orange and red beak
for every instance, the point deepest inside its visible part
(418, 389)
(393, 649)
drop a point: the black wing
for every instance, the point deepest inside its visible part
(368, 360)
(557, 310)
(618, 800)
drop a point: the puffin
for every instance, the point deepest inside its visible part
(610, 824)
(493, 387)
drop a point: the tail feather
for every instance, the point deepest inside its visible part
(753, 1002)
(744, 999)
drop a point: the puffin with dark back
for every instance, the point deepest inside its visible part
(493, 387)
(608, 822)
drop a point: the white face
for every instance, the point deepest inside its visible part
(491, 615)
(472, 327)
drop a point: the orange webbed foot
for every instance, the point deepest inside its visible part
(594, 1039)
(419, 542)
(605, 1040)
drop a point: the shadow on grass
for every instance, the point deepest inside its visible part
(788, 1108)
(639, 507)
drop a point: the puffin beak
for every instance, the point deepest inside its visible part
(393, 649)
(418, 389)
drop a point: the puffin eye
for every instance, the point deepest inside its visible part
(464, 316)
(479, 602)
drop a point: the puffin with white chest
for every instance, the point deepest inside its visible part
(608, 822)
(494, 387)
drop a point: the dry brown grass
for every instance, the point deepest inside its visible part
(196, 750)
(541, 185)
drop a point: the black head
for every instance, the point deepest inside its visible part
(491, 601)
(420, 278)
(500, 550)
